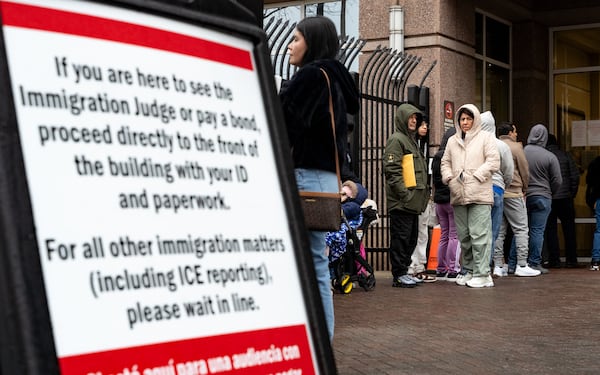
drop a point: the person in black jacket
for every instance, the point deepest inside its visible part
(563, 208)
(305, 104)
(418, 264)
(592, 198)
(448, 265)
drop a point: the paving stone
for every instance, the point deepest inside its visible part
(533, 325)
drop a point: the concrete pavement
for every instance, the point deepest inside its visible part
(534, 325)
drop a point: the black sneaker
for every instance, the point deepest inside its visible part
(595, 266)
(539, 268)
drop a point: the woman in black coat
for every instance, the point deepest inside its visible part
(305, 103)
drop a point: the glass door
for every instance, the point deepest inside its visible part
(575, 109)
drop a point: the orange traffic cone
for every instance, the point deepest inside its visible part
(432, 262)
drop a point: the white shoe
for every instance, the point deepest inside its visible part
(415, 279)
(526, 271)
(480, 282)
(462, 279)
(500, 271)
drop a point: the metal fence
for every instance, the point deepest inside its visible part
(382, 82)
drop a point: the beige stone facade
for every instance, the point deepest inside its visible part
(551, 74)
(444, 31)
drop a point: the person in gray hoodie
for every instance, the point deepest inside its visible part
(500, 180)
(544, 181)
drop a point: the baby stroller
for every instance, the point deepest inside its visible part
(347, 258)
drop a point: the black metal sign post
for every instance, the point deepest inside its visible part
(149, 220)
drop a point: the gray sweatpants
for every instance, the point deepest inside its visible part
(515, 215)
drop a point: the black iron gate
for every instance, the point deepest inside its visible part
(382, 82)
(383, 79)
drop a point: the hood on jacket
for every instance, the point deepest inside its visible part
(361, 195)
(401, 118)
(449, 133)
(538, 135)
(488, 123)
(359, 192)
(476, 120)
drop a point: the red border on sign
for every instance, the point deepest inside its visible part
(39, 18)
(284, 350)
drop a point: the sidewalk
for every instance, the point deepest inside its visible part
(537, 325)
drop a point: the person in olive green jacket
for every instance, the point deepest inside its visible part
(406, 197)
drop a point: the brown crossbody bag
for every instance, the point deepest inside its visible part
(323, 211)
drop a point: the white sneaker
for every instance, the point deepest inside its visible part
(500, 272)
(480, 282)
(526, 271)
(415, 279)
(462, 279)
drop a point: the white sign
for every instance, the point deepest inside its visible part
(160, 221)
(578, 133)
(593, 132)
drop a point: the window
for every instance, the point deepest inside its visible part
(344, 13)
(493, 66)
(575, 101)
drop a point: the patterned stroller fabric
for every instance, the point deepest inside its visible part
(347, 256)
(337, 241)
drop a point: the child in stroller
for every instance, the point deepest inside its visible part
(347, 258)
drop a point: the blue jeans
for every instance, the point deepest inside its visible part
(538, 209)
(317, 180)
(596, 243)
(497, 211)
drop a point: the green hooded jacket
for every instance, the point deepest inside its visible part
(400, 143)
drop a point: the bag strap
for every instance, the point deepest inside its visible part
(337, 161)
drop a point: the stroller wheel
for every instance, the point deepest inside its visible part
(369, 283)
(346, 284)
(347, 288)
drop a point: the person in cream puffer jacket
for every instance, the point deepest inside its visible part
(470, 159)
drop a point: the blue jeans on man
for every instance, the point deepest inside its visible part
(497, 211)
(538, 210)
(596, 243)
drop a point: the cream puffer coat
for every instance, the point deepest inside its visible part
(468, 163)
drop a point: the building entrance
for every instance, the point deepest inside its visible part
(575, 108)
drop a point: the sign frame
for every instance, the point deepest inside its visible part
(27, 345)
